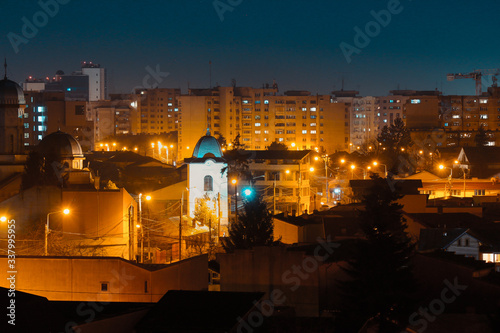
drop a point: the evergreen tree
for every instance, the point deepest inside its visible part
(380, 281)
(277, 146)
(394, 142)
(253, 227)
(481, 138)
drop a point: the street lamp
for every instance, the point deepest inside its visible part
(47, 230)
(3, 219)
(234, 181)
(148, 197)
(442, 167)
(375, 163)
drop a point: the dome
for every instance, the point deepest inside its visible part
(11, 93)
(207, 146)
(60, 144)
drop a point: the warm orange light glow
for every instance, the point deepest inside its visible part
(287, 171)
(353, 166)
(441, 166)
(293, 144)
(135, 148)
(137, 225)
(375, 163)
(316, 158)
(421, 152)
(402, 149)
(148, 197)
(456, 162)
(66, 211)
(234, 181)
(114, 144)
(101, 145)
(152, 144)
(3, 219)
(171, 146)
(311, 169)
(369, 167)
(342, 161)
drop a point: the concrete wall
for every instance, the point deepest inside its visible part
(265, 269)
(289, 233)
(80, 279)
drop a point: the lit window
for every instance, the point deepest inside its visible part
(415, 101)
(304, 131)
(313, 109)
(313, 124)
(26, 135)
(257, 124)
(266, 101)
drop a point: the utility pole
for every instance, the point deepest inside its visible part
(274, 195)
(219, 213)
(180, 225)
(298, 193)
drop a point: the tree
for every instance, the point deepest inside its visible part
(481, 138)
(380, 281)
(395, 137)
(237, 162)
(277, 146)
(41, 170)
(203, 213)
(222, 141)
(253, 227)
(394, 143)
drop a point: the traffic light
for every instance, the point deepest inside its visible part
(248, 192)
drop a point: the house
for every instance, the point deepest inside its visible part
(480, 243)
(283, 177)
(480, 162)
(104, 279)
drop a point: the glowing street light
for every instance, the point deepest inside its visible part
(375, 163)
(47, 229)
(3, 219)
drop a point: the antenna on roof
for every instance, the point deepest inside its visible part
(208, 131)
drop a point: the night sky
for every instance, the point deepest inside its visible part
(294, 42)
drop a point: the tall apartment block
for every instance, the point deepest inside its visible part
(364, 121)
(261, 116)
(155, 111)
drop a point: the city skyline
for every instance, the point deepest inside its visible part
(307, 46)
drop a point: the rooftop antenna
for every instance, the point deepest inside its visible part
(5, 66)
(210, 72)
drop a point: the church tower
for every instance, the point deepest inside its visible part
(204, 177)
(12, 105)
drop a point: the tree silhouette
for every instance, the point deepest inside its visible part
(41, 170)
(481, 138)
(381, 281)
(277, 146)
(253, 227)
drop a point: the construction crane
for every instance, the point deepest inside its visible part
(477, 75)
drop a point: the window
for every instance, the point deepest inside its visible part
(415, 101)
(104, 286)
(208, 183)
(79, 110)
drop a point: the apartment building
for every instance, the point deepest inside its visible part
(155, 111)
(262, 116)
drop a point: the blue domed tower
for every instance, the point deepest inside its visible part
(205, 178)
(12, 105)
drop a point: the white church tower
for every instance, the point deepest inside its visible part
(205, 177)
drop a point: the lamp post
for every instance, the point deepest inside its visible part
(375, 163)
(47, 230)
(141, 225)
(441, 167)
(234, 181)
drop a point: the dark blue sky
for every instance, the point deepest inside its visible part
(294, 42)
